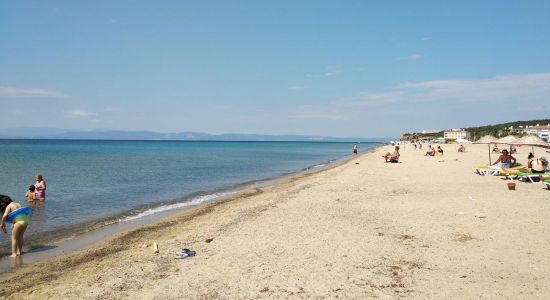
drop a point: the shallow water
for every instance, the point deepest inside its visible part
(98, 182)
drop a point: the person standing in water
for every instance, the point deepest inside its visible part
(354, 148)
(31, 193)
(40, 187)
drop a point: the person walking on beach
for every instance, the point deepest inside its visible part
(40, 187)
(20, 222)
(354, 148)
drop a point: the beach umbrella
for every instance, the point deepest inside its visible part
(488, 139)
(533, 140)
(511, 139)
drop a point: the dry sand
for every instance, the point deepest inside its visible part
(424, 228)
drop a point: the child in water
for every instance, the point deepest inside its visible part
(20, 223)
(31, 194)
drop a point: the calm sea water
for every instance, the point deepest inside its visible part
(116, 180)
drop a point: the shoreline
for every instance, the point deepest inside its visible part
(86, 234)
(130, 237)
(427, 227)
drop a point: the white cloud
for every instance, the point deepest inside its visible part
(329, 72)
(371, 99)
(333, 72)
(297, 87)
(80, 113)
(30, 93)
(111, 109)
(411, 57)
(516, 87)
(503, 92)
(316, 115)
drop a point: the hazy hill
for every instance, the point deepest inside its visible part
(55, 133)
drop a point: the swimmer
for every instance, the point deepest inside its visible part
(31, 194)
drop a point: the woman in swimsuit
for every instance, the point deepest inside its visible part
(40, 187)
(20, 223)
(392, 157)
(506, 160)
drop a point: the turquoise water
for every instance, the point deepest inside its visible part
(89, 181)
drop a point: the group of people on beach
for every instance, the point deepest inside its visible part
(19, 215)
(534, 164)
(433, 151)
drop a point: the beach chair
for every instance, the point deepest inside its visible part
(529, 176)
(484, 170)
(511, 173)
(477, 169)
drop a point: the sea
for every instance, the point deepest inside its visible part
(93, 184)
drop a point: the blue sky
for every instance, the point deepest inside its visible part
(341, 68)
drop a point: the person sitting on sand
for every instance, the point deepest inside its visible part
(31, 194)
(20, 223)
(439, 151)
(461, 148)
(530, 159)
(505, 159)
(430, 152)
(539, 165)
(392, 157)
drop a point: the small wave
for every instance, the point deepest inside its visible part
(194, 201)
(319, 165)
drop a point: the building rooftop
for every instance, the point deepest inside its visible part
(539, 127)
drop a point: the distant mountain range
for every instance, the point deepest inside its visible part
(55, 133)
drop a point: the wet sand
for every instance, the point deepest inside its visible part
(424, 228)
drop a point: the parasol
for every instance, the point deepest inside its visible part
(488, 139)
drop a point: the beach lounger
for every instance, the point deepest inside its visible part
(487, 171)
(529, 176)
(511, 173)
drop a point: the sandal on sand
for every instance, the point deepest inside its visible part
(181, 255)
(186, 253)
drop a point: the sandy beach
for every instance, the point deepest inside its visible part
(427, 227)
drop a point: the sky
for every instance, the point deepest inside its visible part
(338, 68)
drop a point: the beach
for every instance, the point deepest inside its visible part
(427, 227)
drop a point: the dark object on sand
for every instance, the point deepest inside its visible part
(512, 186)
(208, 240)
(184, 253)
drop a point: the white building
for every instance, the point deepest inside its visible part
(516, 130)
(456, 133)
(542, 132)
